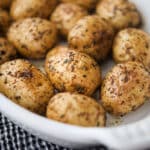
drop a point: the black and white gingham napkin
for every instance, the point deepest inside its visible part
(13, 137)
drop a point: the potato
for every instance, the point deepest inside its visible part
(7, 51)
(125, 88)
(121, 13)
(32, 8)
(32, 37)
(72, 71)
(25, 85)
(88, 4)
(92, 35)
(132, 44)
(76, 109)
(66, 15)
(4, 20)
(5, 3)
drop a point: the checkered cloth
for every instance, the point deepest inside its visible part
(13, 137)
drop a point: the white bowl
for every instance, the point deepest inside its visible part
(132, 133)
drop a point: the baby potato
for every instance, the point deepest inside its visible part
(72, 71)
(132, 44)
(25, 85)
(7, 51)
(92, 35)
(32, 37)
(121, 13)
(32, 8)
(66, 15)
(76, 109)
(5, 3)
(125, 88)
(88, 4)
(4, 20)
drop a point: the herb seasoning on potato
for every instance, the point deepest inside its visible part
(66, 15)
(120, 13)
(21, 9)
(125, 88)
(76, 109)
(72, 71)
(33, 37)
(92, 35)
(132, 45)
(25, 85)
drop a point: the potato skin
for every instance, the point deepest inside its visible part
(125, 88)
(4, 20)
(132, 45)
(88, 4)
(66, 15)
(21, 9)
(25, 85)
(92, 35)
(57, 49)
(121, 13)
(7, 51)
(76, 109)
(32, 37)
(5, 3)
(72, 71)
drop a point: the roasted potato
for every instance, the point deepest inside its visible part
(92, 35)
(72, 71)
(76, 109)
(32, 36)
(25, 85)
(88, 4)
(66, 15)
(132, 44)
(121, 13)
(125, 88)
(7, 51)
(32, 8)
(4, 21)
(5, 3)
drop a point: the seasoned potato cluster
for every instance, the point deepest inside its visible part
(120, 13)
(76, 109)
(74, 38)
(72, 71)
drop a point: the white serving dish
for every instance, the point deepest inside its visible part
(132, 133)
